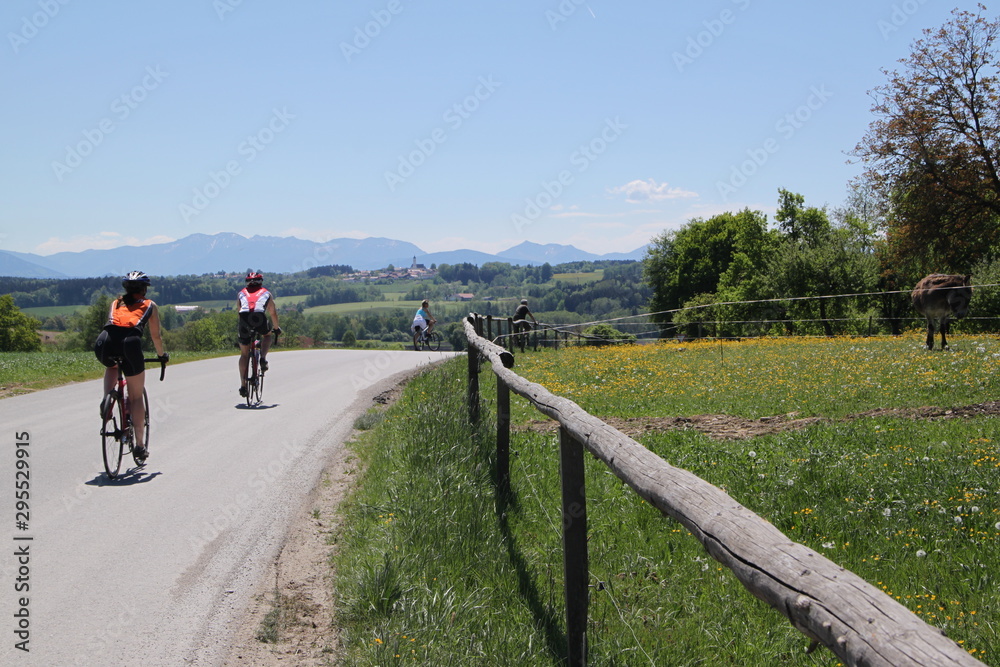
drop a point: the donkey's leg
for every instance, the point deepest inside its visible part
(930, 334)
(944, 332)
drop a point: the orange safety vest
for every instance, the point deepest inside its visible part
(134, 316)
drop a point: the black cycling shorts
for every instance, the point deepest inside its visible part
(123, 343)
(250, 323)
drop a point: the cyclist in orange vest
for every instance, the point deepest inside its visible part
(122, 339)
(254, 304)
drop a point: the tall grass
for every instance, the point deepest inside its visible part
(433, 568)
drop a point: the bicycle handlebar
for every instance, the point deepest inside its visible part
(163, 364)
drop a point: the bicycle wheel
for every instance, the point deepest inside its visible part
(111, 436)
(433, 341)
(252, 378)
(145, 431)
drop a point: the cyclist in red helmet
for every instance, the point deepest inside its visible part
(122, 339)
(254, 304)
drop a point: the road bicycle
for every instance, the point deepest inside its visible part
(117, 429)
(428, 341)
(255, 371)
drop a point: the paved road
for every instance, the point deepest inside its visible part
(156, 567)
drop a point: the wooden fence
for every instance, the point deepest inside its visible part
(828, 604)
(500, 330)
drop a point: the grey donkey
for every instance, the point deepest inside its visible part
(941, 298)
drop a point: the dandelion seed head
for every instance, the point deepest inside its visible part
(887, 511)
(921, 553)
(958, 519)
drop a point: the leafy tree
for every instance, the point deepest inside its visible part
(18, 332)
(797, 222)
(934, 145)
(88, 323)
(696, 258)
(818, 260)
(604, 334)
(213, 331)
(546, 273)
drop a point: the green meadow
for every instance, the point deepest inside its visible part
(432, 567)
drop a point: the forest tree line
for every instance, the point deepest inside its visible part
(621, 290)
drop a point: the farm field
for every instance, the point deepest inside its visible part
(43, 312)
(580, 277)
(363, 307)
(890, 468)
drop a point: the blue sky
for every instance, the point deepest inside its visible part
(449, 125)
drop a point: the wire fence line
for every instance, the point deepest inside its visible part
(664, 328)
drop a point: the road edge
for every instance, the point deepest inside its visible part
(298, 582)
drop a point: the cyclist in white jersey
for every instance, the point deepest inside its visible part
(255, 304)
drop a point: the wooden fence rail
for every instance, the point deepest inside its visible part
(827, 603)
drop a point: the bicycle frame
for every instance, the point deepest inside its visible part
(117, 429)
(255, 374)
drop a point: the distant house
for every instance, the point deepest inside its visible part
(417, 267)
(462, 296)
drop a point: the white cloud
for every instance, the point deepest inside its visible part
(99, 241)
(647, 191)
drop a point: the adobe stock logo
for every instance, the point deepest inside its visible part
(562, 13)
(122, 107)
(584, 156)
(223, 7)
(455, 116)
(700, 42)
(363, 36)
(30, 25)
(248, 149)
(900, 16)
(787, 126)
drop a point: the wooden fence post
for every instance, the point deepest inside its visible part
(472, 395)
(575, 561)
(503, 438)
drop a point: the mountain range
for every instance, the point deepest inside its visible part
(198, 254)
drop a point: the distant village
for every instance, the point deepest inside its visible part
(414, 272)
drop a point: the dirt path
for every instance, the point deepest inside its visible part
(727, 427)
(295, 603)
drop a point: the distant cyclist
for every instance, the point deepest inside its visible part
(520, 322)
(255, 304)
(122, 339)
(423, 321)
(521, 315)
